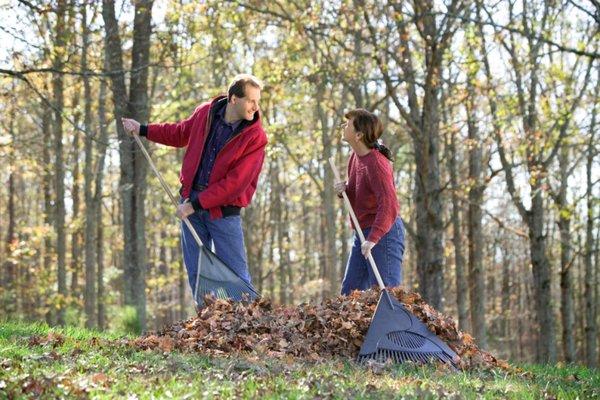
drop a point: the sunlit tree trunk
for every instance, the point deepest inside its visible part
(59, 177)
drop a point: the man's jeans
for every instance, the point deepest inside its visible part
(227, 236)
(387, 253)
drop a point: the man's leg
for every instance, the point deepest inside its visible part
(228, 238)
(190, 248)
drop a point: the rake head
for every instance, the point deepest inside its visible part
(215, 278)
(398, 335)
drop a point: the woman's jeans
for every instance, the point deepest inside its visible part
(387, 253)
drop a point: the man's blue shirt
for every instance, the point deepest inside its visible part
(220, 133)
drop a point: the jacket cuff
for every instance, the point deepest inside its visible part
(143, 130)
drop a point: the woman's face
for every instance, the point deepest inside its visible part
(349, 133)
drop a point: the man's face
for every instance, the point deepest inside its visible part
(245, 107)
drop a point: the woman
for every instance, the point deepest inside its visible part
(371, 191)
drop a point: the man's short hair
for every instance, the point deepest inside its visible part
(238, 85)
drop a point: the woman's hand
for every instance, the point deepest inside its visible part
(340, 187)
(366, 247)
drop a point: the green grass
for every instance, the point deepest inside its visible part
(86, 364)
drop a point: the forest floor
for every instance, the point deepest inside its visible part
(37, 361)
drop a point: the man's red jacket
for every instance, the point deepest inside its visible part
(234, 176)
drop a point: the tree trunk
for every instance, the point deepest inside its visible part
(101, 307)
(596, 283)
(428, 203)
(47, 192)
(542, 279)
(566, 286)
(138, 108)
(91, 228)
(59, 206)
(331, 287)
(8, 279)
(133, 166)
(591, 338)
(462, 289)
(97, 206)
(507, 287)
(475, 232)
(76, 231)
(278, 208)
(287, 259)
(422, 118)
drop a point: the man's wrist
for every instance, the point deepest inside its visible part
(196, 204)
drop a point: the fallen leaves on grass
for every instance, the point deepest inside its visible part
(315, 332)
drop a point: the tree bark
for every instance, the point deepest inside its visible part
(534, 217)
(591, 329)
(475, 232)
(91, 228)
(566, 261)
(75, 230)
(422, 117)
(59, 206)
(8, 278)
(542, 278)
(462, 289)
(97, 206)
(331, 286)
(133, 165)
(46, 140)
(138, 108)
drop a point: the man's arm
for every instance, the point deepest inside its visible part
(170, 134)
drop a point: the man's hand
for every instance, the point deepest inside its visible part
(131, 126)
(366, 247)
(340, 187)
(185, 209)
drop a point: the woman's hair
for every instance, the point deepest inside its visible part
(371, 127)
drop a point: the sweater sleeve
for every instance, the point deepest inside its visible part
(174, 134)
(381, 181)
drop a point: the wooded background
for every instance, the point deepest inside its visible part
(491, 113)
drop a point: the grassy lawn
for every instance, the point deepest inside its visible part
(41, 362)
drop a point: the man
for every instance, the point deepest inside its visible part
(225, 151)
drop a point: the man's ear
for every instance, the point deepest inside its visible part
(233, 99)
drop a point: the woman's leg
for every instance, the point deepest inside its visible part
(388, 255)
(356, 274)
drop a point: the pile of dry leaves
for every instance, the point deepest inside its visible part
(334, 328)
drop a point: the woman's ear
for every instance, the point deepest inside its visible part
(359, 135)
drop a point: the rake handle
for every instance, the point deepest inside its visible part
(176, 204)
(164, 185)
(356, 225)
